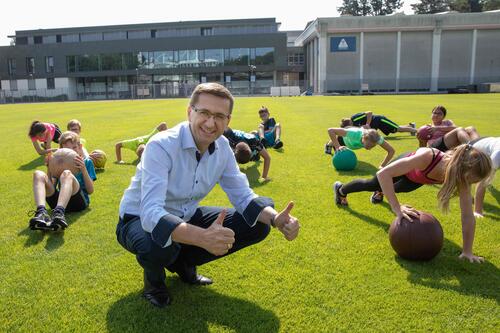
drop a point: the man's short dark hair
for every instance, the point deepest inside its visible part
(242, 153)
(214, 89)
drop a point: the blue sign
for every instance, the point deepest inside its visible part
(343, 44)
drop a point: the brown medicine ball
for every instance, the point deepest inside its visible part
(63, 159)
(421, 239)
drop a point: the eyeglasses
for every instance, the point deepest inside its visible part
(205, 114)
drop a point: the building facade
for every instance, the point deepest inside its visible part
(402, 52)
(399, 53)
(145, 60)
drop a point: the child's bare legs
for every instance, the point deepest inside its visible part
(68, 186)
(277, 132)
(407, 129)
(42, 187)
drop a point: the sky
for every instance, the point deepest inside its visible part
(46, 14)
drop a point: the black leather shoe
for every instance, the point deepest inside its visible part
(188, 274)
(198, 279)
(156, 295)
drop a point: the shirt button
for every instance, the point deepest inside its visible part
(196, 182)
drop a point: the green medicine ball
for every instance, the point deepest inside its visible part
(344, 160)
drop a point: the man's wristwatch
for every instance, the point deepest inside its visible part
(273, 220)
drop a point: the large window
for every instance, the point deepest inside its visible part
(295, 59)
(237, 57)
(87, 63)
(264, 56)
(130, 61)
(213, 57)
(145, 60)
(30, 65)
(188, 58)
(49, 64)
(12, 66)
(111, 62)
(165, 59)
(207, 32)
(71, 64)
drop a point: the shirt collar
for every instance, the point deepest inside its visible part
(187, 140)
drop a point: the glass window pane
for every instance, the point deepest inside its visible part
(213, 57)
(165, 59)
(237, 57)
(264, 56)
(71, 64)
(12, 66)
(49, 64)
(87, 63)
(111, 61)
(30, 65)
(130, 61)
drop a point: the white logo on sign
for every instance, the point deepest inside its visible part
(343, 45)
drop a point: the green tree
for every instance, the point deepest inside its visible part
(430, 6)
(465, 6)
(490, 4)
(369, 7)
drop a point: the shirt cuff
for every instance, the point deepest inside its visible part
(254, 208)
(162, 232)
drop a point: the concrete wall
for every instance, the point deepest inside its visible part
(487, 65)
(416, 56)
(342, 68)
(455, 59)
(379, 61)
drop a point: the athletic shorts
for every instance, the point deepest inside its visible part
(384, 125)
(440, 145)
(57, 134)
(269, 138)
(76, 202)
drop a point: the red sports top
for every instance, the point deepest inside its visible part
(420, 176)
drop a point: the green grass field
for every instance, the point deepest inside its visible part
(341, 274)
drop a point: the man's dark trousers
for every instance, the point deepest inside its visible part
(154, 259)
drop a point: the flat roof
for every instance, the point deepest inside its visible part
(146, 26)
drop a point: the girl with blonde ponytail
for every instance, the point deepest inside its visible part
(457, 170)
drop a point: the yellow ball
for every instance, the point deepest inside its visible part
(99, 158)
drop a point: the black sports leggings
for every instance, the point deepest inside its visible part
(401, 184)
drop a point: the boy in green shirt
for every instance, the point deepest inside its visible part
(137, 144)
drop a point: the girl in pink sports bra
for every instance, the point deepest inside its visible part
(456, 170)
(421, 176)
(45, 133)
